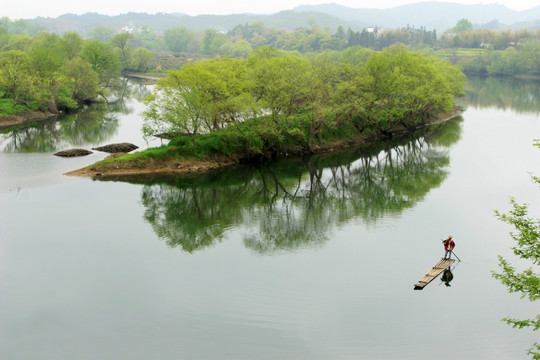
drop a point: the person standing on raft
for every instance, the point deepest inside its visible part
(448, 246)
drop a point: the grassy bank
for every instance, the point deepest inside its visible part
(8, 107)
(244, 142)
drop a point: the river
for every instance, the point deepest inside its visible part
(301, 259)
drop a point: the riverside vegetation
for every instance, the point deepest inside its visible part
(53, 73)
(60, 73)
(275, 103)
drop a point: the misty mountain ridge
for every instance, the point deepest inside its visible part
(440, 16)
(432, 15)
(160, 22)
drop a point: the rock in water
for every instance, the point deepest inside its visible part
(116, 148)
(73, 153)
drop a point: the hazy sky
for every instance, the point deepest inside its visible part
(32, 8)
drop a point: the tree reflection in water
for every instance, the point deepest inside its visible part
(293, 204)
(505, 93)
(93, 125)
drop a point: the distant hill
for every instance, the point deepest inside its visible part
(160, 22)
(433, 15)
(531, 25)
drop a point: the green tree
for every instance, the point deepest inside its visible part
(212, 42)
(530, 55)
(340, 33)
(279, 81)
(102, 33)
(122, 43)
(200, 97)
(82, 80)
(71, 45)
(462, 25)
(178, 38)
(21, 27)
(410, 87)
(102, 57)
(19, 42)
(4, 37)
(356, 55)
(16, 77)
(46, 57)
(241, 49)
(305, 99)
(507, 62)
(142, 59)
(526, 282)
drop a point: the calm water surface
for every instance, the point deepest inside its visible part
(303, 259)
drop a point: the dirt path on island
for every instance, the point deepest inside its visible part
(153, 167)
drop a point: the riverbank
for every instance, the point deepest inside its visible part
(175, 166)
(8, 122)
(146, 78)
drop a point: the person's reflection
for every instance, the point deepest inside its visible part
(447, 276)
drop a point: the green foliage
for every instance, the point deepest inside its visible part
(410, 87)
(45, 55)
(71, 45)
(102, 33)
(200, 97)
(21, 27)
(16, 77)
(19, 42)
(307, 99)
(142, 59)
(8, 107)
(356, 55)
(122, 43)
(56, 73)
(81, 79)
(526, 282)
(462, 25)
(178, 39)
(140, 158)
(241, 49)
(102, 57)
(473, 64)
(64, 99)
(213, 42)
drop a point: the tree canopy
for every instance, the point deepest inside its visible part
(305, 98)
(51, 72)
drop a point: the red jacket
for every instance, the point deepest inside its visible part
(449, 244)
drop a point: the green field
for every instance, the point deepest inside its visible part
(461, 52)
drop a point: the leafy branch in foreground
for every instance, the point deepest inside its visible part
(527, 282)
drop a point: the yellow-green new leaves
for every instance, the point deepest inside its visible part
(313, 93)
(527, 282)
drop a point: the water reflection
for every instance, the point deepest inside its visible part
(294, 204)
(505, 93)
(93, 125)
(124, 89)
(447, 276)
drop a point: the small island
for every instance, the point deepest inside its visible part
(225, 111)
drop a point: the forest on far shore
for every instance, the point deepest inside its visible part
(46, 71)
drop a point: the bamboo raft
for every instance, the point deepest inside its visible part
(433, 273)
